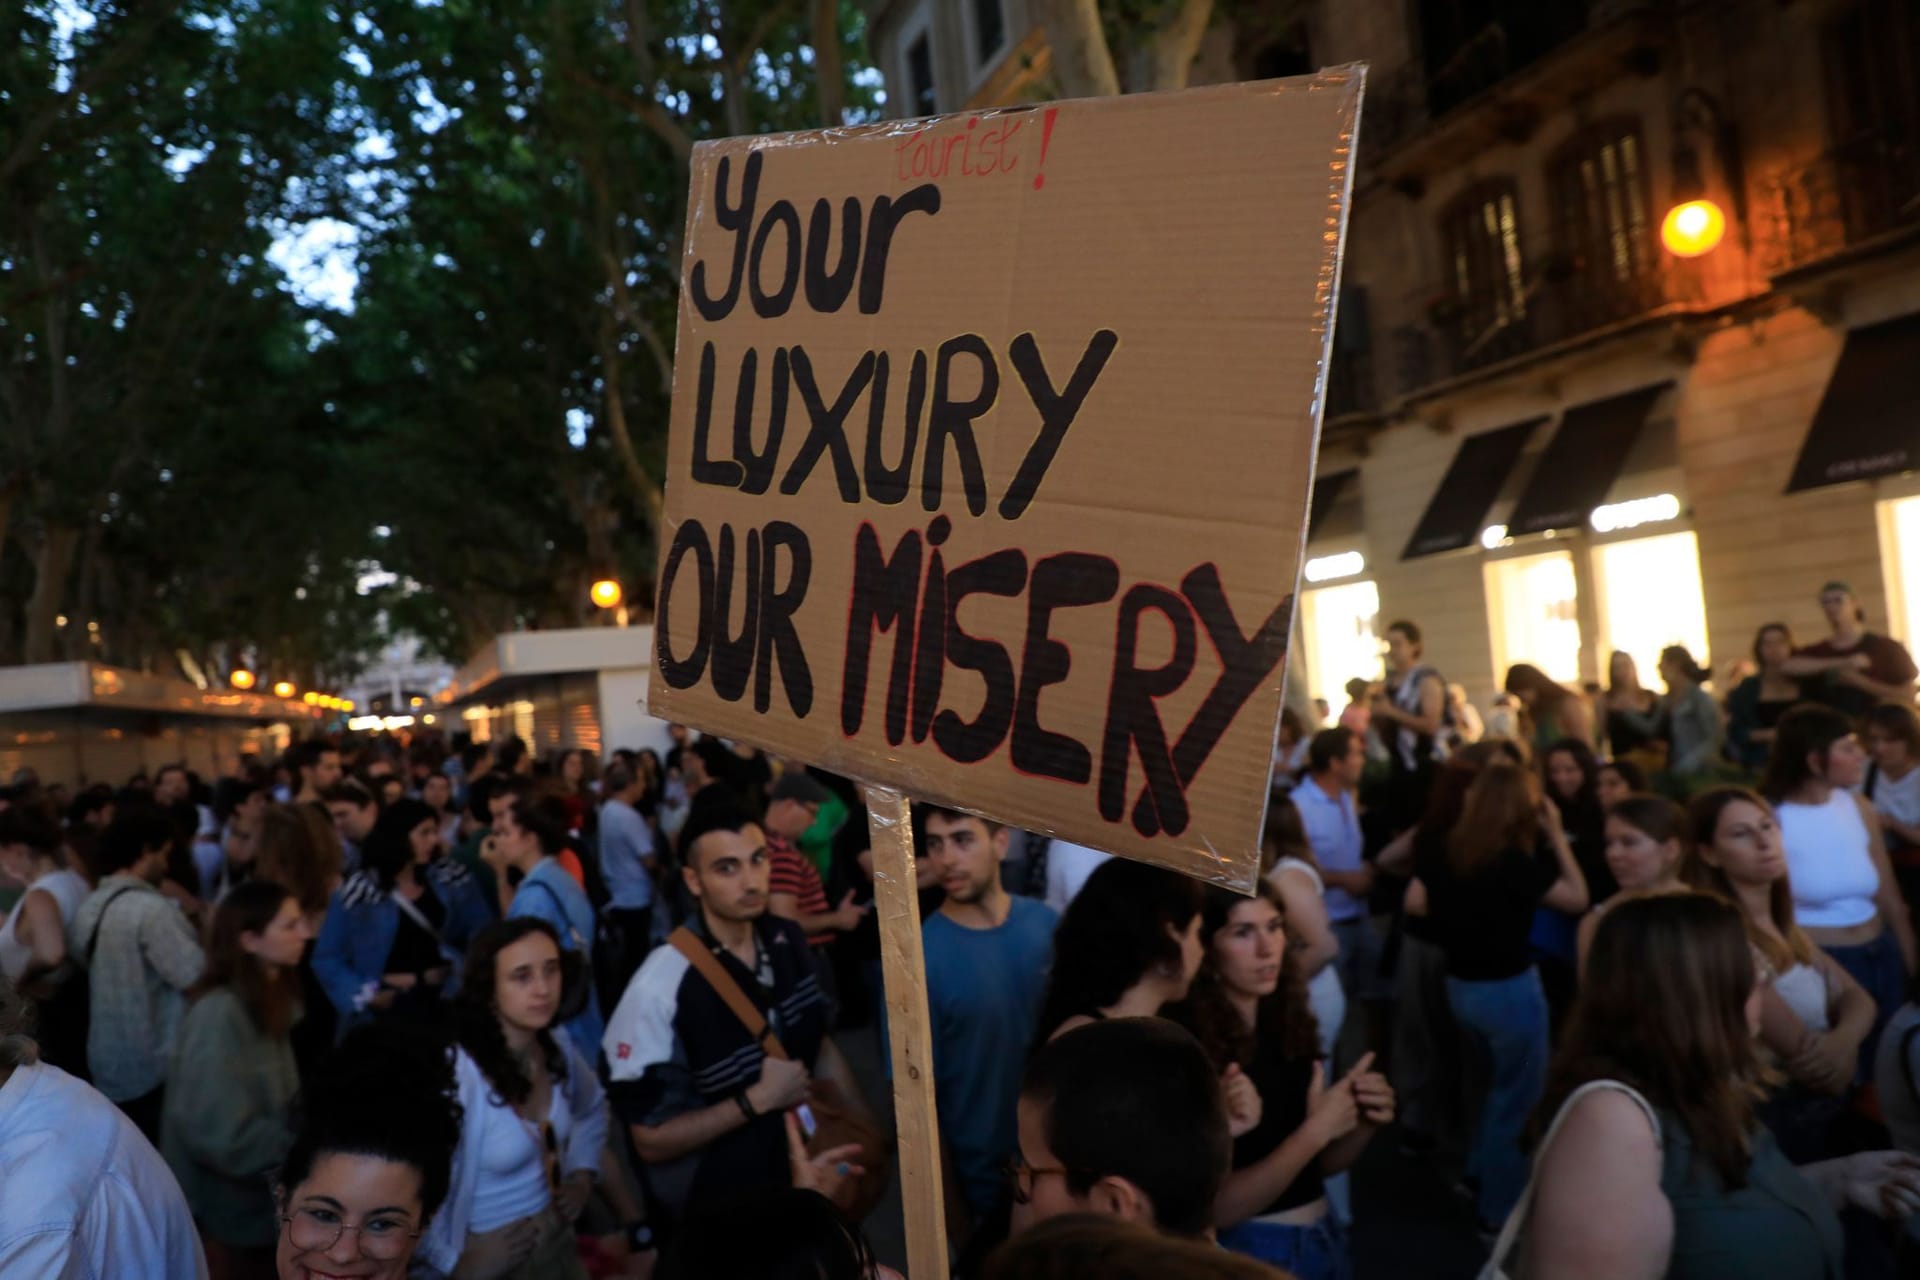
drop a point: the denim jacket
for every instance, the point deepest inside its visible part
(350, 956)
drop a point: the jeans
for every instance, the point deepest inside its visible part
(1507, 1021)
(1318, 1252)
(1879, 967)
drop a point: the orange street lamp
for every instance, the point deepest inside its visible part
(1692, 228)
(283, 689)
(606, 593)
(312, 699)
(241, 679)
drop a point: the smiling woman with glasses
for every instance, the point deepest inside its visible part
(371, 1163)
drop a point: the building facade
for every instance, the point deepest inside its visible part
(1564, 419)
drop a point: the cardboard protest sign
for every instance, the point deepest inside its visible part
(991, 444)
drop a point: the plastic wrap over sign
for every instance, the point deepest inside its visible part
(991, 444)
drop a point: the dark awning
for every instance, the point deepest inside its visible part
(1326, 491)
(1868, 423)
(1460, 504)
(1582, 462)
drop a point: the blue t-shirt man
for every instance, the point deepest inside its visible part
(988, 955)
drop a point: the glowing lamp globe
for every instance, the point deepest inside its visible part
(241, 679)
(312, 699)
(606, 593)
(1693, 228)
(283, 689)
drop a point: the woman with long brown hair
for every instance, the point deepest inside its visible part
(1654, 1164)
(1646, 841)
(1248, 1007)
(228, 1119)
(1480, 892)
(1814, 1016)
(1553, 711)
(1288, 863)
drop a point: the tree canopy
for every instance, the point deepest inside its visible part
(200, 455)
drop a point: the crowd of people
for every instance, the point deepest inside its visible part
(383, 1008)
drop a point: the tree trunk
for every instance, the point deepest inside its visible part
(827, 74)
(1164, 59)
(1082, 63)
(49, 589)
(653, 503)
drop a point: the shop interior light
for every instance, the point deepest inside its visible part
(1494, 535)
(242, 679)
(1327, 568)
(283, 689)
(606, 593)
(1631, 515)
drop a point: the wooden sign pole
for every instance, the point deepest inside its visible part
(904, 965)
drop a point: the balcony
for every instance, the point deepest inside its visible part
(1564, 296)
(1350, 385)
(1476, 44)
(1863, 194)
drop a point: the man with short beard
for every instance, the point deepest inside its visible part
(988, 954)
(142, 957)
(703, 1102)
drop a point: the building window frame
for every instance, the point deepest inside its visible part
(1602, 206)
(915, 29)
(981, 61)
(1482, 246)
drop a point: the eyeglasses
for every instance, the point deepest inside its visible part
(318, 1230)
(1021, 1176)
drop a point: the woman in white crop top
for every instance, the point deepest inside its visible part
(534, 1119)
(1844, 892)
(1813, 1016)
(33, 941)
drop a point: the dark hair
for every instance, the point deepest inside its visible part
(1655, 817)
(136, 828)
(388, 1093)
(349, 791)
(1124, 921)
(1408, 629)
(230, 793)
(714, 758)
(480, 793)
(89, 802)
(1630, 773)
(269, 996)
(1356, 688)
(306, 754)
(174, 766)
(793, 1234)
(1761, 635)
(1136, 1098)
(536, 821)
(721, 811)
(31, 828)
(509, 753)
(1284, 1021)
(1076, 1246)
(618, 776)
(389, 846)
(1328, 747)
(1524, 678)
(1283, 835)
(1792, 946)
(1662, 1008)
(1898, 721)
(956, 815)
(477, 1022)
(1586, 799)
(1682, 657)
(1808, 729)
